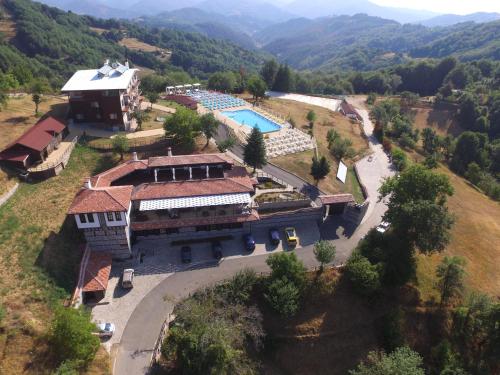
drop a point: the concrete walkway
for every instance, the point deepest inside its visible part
(133, 354)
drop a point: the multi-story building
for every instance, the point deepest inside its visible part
(167, 196)
(104, 97)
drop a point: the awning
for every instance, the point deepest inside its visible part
(199, 201)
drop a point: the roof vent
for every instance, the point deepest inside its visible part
(87, 184)
(169, 151)
(134, 156)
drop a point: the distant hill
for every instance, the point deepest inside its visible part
(453, 19)
(48, 42)
(95, 8)
(362, 42)
(322, 8)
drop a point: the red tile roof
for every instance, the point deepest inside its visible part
(116, 198)
(240, 175)
(106, 178)
(178, 160)
(96, 274)
(189, 188)
(337, 198)
(195, 221)
(40, 134)
(348, 109)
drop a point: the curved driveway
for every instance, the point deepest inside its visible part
(134, 352)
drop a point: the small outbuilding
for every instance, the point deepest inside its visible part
(336, 204)
(35, 145)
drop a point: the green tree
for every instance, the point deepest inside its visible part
(254, 152)
(311, 117)
(417, 207)
(140, 117)
(430, 140)
(470, 147)
(450, 273)
(283, 80)
(153, 97)
(269, 71)
(324, 251)
(331, 136)
(257, 87)
(319, 168)
(222, 81)
(431, 161)
(364, 275)
(283, 296)
(289, 266)
(183, 126)
(399, 159)
(402, 361)
(71, 336)
(120, 144)
(209, 126)
(371, 98)
(37, 99)
(226, 144)
(341, 147)
(474, 173)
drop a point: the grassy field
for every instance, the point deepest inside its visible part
(39, 255)
(475, 236)
(137, 45)
(443, 121)
(152, 123)
(300, 163)
(6, 182)
(19, 115)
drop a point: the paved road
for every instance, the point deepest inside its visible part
(140, 334)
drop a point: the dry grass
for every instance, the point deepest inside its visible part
(152, 123)
(98, 30)
(443, 121)
(300, 163)
(475, 237)
(6, 182)
(136, 45)
(38, 260)
(19, 115)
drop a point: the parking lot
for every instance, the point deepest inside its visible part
(154, 260)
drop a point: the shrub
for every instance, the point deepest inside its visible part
(283, 296)
(324, 252)
(392, 336)
(239, 289)
(289, 266)
(364, 275)
(399, 159)
(386, 143)
(71, 336)
(402, 361)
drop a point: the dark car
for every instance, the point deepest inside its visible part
(217, 250)
(274, 236)
(249, 242)
(186, 254)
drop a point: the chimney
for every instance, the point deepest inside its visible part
(87, 184)
(134, 156)
(169, 151)
(106, 62)
(126, 64)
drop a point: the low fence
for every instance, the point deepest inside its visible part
(156, 354)
(271, 177)
(284, 204)
(46, 170)
(135, 144)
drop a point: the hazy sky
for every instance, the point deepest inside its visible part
(446, 6)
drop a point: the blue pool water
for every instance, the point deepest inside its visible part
(251, 119)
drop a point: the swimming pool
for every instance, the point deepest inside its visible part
(251, 119)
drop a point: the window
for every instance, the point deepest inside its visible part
(118, 216)
(110, 216)
(113, 116)
(83, 218)
(90, 218)
(94, 104)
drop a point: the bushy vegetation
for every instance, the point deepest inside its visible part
(402, 361)
(71, 338)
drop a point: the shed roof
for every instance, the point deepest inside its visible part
(97, 270)
(36, 138)
(180, 160)
(336, 198)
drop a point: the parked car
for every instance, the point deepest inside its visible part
(128, 278)
(217, 250)
(186, 256)
(291, 236)
(249, 242)
(105, 330)
(383, 226)
(274, 236)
